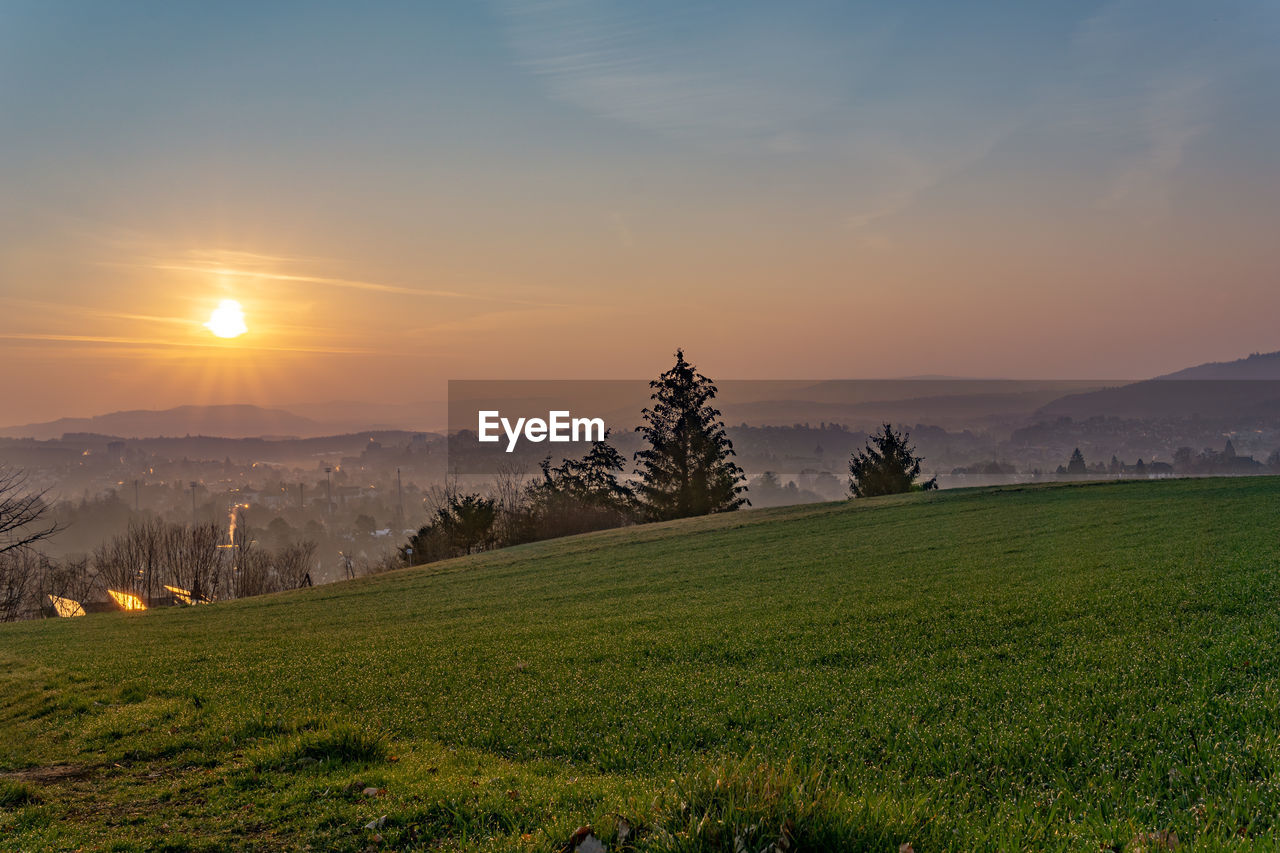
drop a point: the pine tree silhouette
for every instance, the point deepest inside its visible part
(888, 466)
(686, 470)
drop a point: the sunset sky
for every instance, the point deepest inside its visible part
(399, 193)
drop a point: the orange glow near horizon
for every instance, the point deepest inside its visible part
(783, 192)
(354, 329)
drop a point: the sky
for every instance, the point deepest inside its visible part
(401, 193)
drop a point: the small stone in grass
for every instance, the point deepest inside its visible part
(575, 841)
(591, 844)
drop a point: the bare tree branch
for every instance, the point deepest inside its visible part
(21, 513)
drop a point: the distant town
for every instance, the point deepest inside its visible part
(360, 496)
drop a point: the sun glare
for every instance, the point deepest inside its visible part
(227, 320)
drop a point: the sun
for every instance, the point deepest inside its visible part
(227, 320)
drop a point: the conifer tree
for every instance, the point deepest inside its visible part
(581, 494)
(888, 466)
(686, 469)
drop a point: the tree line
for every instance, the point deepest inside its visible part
(686, 469)
(152, 562)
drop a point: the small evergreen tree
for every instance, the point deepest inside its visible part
(1075, 465)
(468, 521)
(464, 524)
(579, 495)
(887, 466)
(686, 470)
(593, 479)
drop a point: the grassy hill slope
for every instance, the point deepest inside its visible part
(1066, 667)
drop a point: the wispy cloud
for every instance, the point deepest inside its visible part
(772, 81)
(520, 321)
(906, 170)
(625, 62)
(1148, 79)
(622, 228)
(44, 337)
(1169, 121)
(225, 270)
(351, 284)
(64, 309)
(132, 250)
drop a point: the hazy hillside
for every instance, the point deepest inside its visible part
(1245, 388)
(1264, 366)
(1061, 668)
(860, 403)
(953, 403)
(234, 421)
(360, 415)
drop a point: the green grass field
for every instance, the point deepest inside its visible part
(1084, 667)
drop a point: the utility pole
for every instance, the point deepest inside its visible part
(400, 498)
(328, 488)
(194, 521)
(302, 504)
(136, 503)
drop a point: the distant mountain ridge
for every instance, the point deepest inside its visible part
(1245, 388)
(1259, 365)
(226, 421)
(1248, 386)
